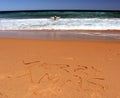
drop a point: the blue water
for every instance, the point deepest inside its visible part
(63, 14)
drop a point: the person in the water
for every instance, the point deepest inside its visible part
(55, 18)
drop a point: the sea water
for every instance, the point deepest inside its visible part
(69, 20)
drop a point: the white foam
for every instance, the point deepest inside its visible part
(61, 24)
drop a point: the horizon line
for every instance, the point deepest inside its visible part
(61, 10)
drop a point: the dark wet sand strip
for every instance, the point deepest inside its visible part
(98, 35)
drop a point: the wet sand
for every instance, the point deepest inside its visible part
(59, 69)
(94, 35)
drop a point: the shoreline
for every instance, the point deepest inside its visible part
(90, 35)
(103, 31)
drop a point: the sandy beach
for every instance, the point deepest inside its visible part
(59, 69)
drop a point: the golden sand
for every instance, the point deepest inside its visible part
(59, 69)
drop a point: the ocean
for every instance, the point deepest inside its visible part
(69, 20)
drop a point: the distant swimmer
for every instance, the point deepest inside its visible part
(55, 18)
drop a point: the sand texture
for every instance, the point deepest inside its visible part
(59, 69)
